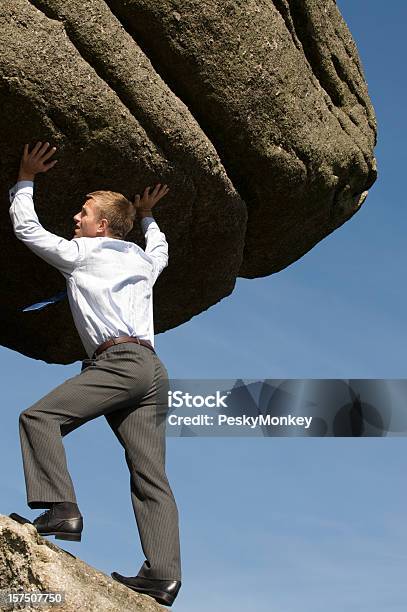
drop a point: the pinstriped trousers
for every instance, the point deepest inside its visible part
(128, 384)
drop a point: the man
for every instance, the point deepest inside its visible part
(109, 285)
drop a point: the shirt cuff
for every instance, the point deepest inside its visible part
(21, 187)
(146, 222)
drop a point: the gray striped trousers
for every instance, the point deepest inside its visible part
(128, 384)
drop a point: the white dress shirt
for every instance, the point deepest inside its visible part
(109, 281)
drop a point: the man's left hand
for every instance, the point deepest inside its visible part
(35, 161)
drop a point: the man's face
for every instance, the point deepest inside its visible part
(87, 222)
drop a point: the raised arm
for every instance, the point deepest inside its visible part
(156, 243)
(57, 251)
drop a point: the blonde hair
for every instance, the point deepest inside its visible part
(117, 209)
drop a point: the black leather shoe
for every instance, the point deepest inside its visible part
(62, 528)
(163, 591)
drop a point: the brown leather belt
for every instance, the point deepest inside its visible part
(119, 340)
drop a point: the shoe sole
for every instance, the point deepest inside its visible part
(160, 596)
(59, 535)
(163, 598)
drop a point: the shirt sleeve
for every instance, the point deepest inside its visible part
(63, 254)
(156, 245)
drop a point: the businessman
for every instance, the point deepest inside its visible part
(109, 285)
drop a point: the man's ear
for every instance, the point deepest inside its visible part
(105, 223)
(102, 225)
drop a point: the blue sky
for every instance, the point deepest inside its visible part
(283, 524)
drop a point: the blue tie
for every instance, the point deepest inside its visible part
(52, 300)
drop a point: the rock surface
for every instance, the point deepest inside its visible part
(255, 113)
(29, 562)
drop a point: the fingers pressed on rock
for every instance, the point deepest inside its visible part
(36, 148)
(49, 153)
(43, 149)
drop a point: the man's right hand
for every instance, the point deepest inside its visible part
(145, 204)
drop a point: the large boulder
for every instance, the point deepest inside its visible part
(255, 113)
